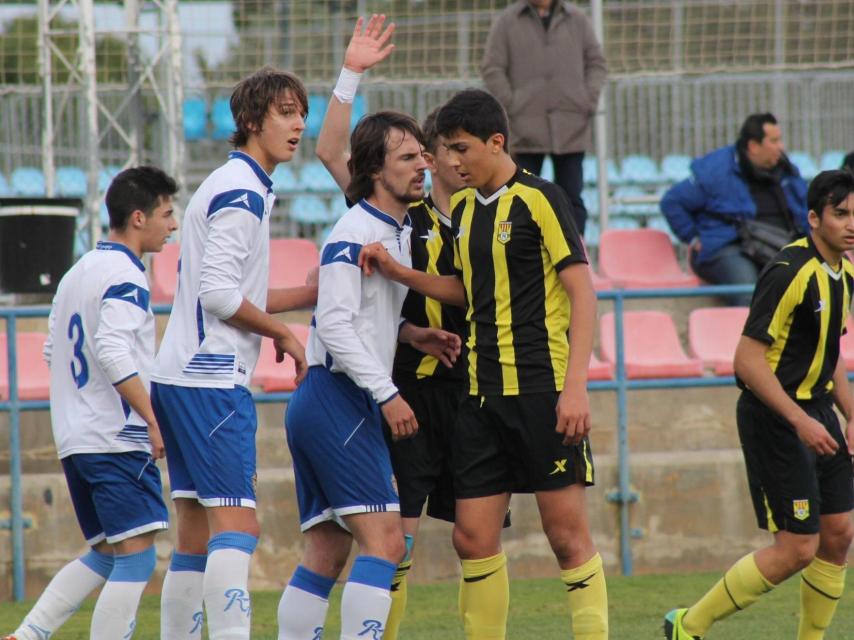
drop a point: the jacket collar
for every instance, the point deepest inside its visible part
(523, 5)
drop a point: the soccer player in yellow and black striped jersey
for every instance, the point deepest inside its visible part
(523, 275)
(799, 467)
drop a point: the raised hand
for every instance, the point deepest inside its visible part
(369, 46)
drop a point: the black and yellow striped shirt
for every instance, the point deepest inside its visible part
(509, 249)
(432, 252)
(799, 308)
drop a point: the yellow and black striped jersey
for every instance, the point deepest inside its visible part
(432, 252)
(509, 249)
(799, 308)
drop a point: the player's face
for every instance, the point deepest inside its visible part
(157, 227)
(767, 154)
(473, 160)
(281, 131)
(835, 226)
(441, 169)
(402, 175)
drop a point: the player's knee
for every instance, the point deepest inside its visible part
(835, 542)
(471, 544)
(802, 552)
(569, 545)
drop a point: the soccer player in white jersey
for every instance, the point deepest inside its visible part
(200, 383)
(344, 481)
(100, 349)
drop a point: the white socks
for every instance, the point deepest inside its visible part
(226, 591)
(181, 609)
(302, 609)
(114, 617)
(365, 602)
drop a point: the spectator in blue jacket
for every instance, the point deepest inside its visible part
(751, 179)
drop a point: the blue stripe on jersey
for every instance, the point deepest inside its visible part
(266, 180)
(238, 199)
(200, 322)
(382, 215)
(347, 252)
(104, 245)
(129, 292)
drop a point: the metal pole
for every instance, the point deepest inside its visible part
(623, 441)
(88, 73)
(135, 110)
(15, 462)
(600, 125)
(45, 68)
(175, 95)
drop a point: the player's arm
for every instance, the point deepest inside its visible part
(123, 312)
(281, 300)
(47, 350)
(844, 401)
(445, 289)
(366, 49)
(680, 206)
(443, 345)
(228, 247)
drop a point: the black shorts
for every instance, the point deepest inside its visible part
(422, 464)
(791, 485)
(509, 444)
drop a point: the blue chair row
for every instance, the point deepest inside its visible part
(222, 122)
(70, 182)
(311, 176)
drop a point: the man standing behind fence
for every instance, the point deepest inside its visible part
(543, 63)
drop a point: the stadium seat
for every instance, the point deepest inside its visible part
(805, 164)
(360, 108)
(5, 188)
(28, 181)
(309, 210)
(290, 261)
(547, 172)
(274, 376)
(223, 122)
(195, 119)
(637, 169)
(337, 208)
(846, 345)
(675, 168)
(590, 168)
(622, 224)
(105, 177)
(652, 348)
(600, 283)
(284, 179)
(598, 370)
(591, 233)
(315, 177)
(164, 273)
(33, 373)
(591, 201)
(832, 160)
(713, 335)
(659, 223)
(70, 182)
(641, 208)
(316, 112)
(641, 259)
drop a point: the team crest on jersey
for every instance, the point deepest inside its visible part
(504, 228)
(801, 509)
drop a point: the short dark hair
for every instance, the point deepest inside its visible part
(136, 188)
(829, 188)
(754, 128)
(428, 127)
(368, 147)
(848, 162)
(475, 112)
(253, 96)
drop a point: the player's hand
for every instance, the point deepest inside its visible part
(442, 345)
(291, 346)
(573, 414)
(368, 47)
(814, 435)
(312, 278)
(158, 449)
(374, 257)
(400, 418)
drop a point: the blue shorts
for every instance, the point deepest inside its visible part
(116, 496)
(210, 443)
(341, 462)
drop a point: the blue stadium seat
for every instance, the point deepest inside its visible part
(359, 110)
(428, 180)
(832, 160)
(316, 112)
(195, 118)
(623, 223)
(675, 168)
(71, 182)
(105, 177)
(309, 210)
(324, 235)
(337, 208)
(223, 122)
(548, 170)
(660, 223)
(637, 169)
(5, 188)
(805, 163)
(591, 171)
(591, 234)
(28, 181)
(591, 201)
(315, 177)
(284, 179)
(634, 208)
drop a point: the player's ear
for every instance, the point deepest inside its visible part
(137, 218)
(496, 142)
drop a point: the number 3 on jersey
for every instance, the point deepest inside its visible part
(75, 333)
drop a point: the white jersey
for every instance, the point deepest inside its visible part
(225, 255)
(356, 320)
(101, 332)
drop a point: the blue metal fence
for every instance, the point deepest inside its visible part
(623, 496)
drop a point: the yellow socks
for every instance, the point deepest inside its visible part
(485, 598)
(740, 587)
(822, 584)
(588, 599)
(398, 600)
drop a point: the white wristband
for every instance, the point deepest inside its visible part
(348, 83)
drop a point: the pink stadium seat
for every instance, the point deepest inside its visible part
(652, 348)
(33, 373)
(290, 261)
(713, 335)
(641, 259)
(599, 370)
(277, 376)
(600, 283)
(164, 273)
(846, 345)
